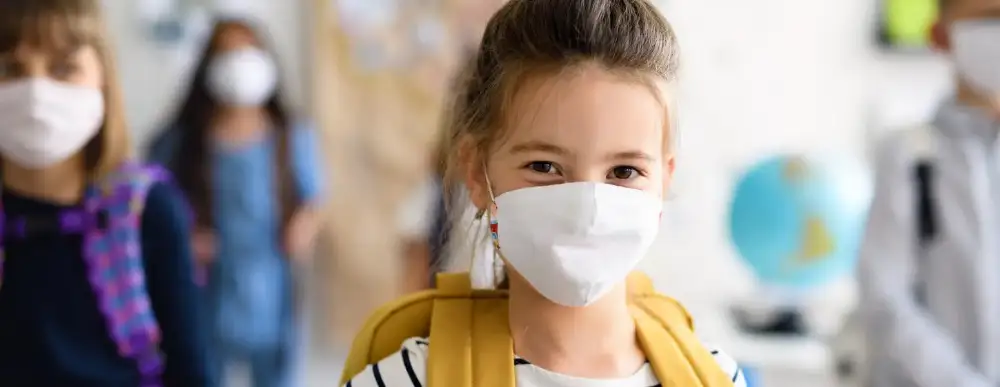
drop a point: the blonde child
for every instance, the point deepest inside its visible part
(562, 138)
(96, 267)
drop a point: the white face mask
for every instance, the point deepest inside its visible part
(245, 77)
(574, 242)
(975, 47)
(43, 122)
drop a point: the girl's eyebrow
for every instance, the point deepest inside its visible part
(541, 146)
(67, 51)
(538, 146)
(632, 155)
(54, 52)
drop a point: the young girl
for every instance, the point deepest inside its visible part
(97, 275)
(563, 141)
(250, 173)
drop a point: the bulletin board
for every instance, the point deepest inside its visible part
(380, 76)
(905, 25)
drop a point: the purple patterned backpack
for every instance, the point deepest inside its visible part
(109, 221)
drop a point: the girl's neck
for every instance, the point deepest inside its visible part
(239, 115)
(236, 125)
(63, 183)
(595, 341)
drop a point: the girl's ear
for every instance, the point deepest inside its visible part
(669, 164)
(475, 175)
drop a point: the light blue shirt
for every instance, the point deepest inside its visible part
(250, 287)
(244, 191)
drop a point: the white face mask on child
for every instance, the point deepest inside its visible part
(977, 54)
(574, 242)
(245, 77)
(43, 122)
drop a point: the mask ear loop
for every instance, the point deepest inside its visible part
(480, 269)
(487, 266)
(499, 274)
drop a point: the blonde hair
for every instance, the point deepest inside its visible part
(529, 38)
(57, 25)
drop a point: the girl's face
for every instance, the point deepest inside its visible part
(239, 73)
(973, 9)
(582, 125)
(233, 38)
(80, 66)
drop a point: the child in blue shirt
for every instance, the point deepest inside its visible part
(251, 175)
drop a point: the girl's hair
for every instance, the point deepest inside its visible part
(527, 38)
(59, 27)
(195, 119)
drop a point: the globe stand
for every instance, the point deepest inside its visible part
(772, 312)
(789, 322)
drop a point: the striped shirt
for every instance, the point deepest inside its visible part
(407, 368)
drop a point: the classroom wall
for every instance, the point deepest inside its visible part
(759, 76)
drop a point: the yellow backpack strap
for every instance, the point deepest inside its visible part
(464, 319)
(493, 360)
(381, 335)
(665, 331)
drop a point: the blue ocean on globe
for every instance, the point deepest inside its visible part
(798, 221)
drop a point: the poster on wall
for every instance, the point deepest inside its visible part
(405, 35)
(905, 25)
(368, 25)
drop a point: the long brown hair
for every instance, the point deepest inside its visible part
(194, 119)
(57, 25)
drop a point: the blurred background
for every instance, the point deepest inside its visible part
(764, 83)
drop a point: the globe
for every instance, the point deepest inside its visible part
(798, 221)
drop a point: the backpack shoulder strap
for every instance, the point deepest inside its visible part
(470, 342)
(386, 329)
(927, 224)
(665, 331)
(3, 238)
(921, 147)
(115, 267)
(445, 315)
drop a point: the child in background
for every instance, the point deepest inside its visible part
(96, 268)
(251, 175)
(562, 140)
(928, 268)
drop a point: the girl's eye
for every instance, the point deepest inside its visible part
(623, 172)
(542, 167)
(63, 69)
